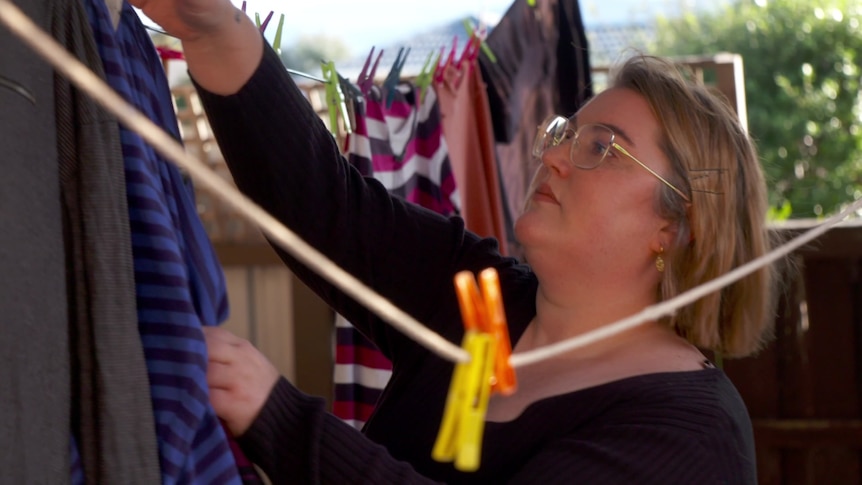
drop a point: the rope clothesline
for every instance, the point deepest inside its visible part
(42, 43)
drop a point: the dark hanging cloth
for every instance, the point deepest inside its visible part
(542, 68)
(34, 353)
(112, 419)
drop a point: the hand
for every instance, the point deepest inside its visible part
(240, 378)
(189, 20)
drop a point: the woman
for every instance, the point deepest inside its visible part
(652, 189)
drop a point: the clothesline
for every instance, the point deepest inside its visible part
(42, 43)
(290, 71)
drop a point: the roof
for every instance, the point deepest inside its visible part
(607, 43)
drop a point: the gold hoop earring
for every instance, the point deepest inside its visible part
(659, 261)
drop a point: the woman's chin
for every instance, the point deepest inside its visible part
(526, 228)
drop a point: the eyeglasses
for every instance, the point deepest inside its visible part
(597, 139)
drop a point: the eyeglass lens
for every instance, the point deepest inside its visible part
(588, 150)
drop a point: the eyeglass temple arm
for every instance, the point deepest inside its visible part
(653, 172)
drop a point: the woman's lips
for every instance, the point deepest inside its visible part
(544, 193)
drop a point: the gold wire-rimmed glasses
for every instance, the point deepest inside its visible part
(597, 139)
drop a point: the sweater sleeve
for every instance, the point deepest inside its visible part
(294, 440)
(283, 157)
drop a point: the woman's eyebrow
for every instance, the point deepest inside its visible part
(621, 133)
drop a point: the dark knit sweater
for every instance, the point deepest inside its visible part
(664, 428)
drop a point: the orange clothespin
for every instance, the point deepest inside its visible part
(504, 374)
(460, 435)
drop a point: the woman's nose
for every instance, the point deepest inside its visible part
(556, 159)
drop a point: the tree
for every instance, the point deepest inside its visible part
(305, 55)
(802, 80)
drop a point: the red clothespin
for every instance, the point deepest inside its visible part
(169, 54)
(460, 435)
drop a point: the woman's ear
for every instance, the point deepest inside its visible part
(665, 237)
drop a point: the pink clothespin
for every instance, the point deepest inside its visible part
(441, 68)
(365, 79)
(471, 51)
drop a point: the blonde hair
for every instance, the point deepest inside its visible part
(714, 161)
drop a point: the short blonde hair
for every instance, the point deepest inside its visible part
(715, 162)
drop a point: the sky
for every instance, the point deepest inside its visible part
(364, 23)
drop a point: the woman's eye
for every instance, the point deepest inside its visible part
(599, 146)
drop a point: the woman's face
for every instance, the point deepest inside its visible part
(604, 216)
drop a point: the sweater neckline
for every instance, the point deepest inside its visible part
(708, 373)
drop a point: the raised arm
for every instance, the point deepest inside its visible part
(221, 44)
(282, 156)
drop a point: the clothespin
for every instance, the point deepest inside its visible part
(441, 68)
(265, 23)
(243, 6)
(504, 374)
(531, 3)
(470, 52)
(481, 34)
(276, 42)
(366, 79)
(334, 98)
(167, 55)
(351, 92)
(460, 435)
(257, 20)
(423, 80)
(391, 82)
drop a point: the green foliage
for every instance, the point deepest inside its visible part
(305, 55)
(802, 64)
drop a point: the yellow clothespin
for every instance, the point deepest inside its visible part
(334, 98)
(460, 435)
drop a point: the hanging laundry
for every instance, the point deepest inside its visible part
(403, 147)
(469, 135)
(179, 282)
(542, 68)
(35, 371)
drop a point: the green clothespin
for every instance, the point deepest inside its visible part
(423, 80)
(334, 98)
(468, 25)
(531, 3)
(257, 20)
(276, 43)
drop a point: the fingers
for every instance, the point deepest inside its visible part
(222, 346)
(221, 376)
